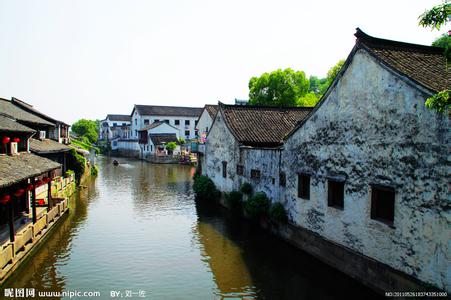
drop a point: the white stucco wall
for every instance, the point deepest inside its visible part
(221, 146)
(204, 123)
(149, 148)
(373, 128)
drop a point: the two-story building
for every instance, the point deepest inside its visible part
(205, 120)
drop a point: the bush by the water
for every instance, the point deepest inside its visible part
(246, 188)
(205, 188)
(94, 170)
(278, 213)
(257, 205)
(76, 163)
(234, 199)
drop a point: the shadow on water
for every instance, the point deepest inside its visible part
(248, 261)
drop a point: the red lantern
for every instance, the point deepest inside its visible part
(5, 140)
(29, 187)
(41, 202)
(5, 199)
(19, 192)
(16, 140)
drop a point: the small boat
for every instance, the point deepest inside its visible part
(115, 162)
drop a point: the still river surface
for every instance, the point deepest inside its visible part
(137, 228)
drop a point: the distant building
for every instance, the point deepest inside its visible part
(114, 126)
(241, 102)
(184, 119)
(154, 138)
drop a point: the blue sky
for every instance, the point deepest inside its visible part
(87, 58)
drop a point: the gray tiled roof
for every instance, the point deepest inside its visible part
(160, 138)
(176, 111)
(16, 168)
(47, 146)
(8, 108)
(7, 124)
(425, 65)
(262, 126)
(124, 118)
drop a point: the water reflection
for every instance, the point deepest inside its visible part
(137, 227)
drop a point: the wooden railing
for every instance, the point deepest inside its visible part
(22, 238)
(6, 255)
(51, 215)
(39, 226)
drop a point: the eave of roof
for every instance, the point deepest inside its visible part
(47, 146)
(16, 168)
(8, 124)
(28, 107)
(19, 114)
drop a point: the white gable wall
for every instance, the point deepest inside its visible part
(373, 128)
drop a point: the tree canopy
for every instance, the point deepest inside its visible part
(333, 72)
(86, 129)
(444, 41)
(436, 17)
(278, 88)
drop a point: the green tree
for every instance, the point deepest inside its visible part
(86, 128)
(444, 41)
(171, 146)
(436, 17)
(278, 88)
(308, 100)
(333, 72)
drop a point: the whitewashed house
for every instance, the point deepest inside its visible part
(244, 145)
(154, 138)
(364, 175)
(182, 118)
(367, 170)
(114, 126)
(205, 120)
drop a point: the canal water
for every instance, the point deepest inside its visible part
(137, 229)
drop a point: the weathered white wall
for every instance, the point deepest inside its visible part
(268, 162)
(204, 123)
(373, 128)
(221, 146)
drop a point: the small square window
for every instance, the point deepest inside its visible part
(224, 169)
(176, 122)
(156, 120)
(255, 174)
(282, 179)
(240, 169)
(187, 122)
(335, 194)
(146, 122)
(187, 133)
(304, 186)
(383, 204)
(196, 122)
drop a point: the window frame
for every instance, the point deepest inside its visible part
(254, 173)
(240, 170)
(376, 197)
(332, 200)
(303, 186)
(224, 169)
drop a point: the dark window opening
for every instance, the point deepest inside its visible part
(304, 186)
(156, 120)
(224, 169)
(282, 179)
(176, 122)
(383, 204)
(273, 180)
(335, 194)
(187, 133)
(255, 174)
(146, 122)
(196, 122)
(187, 122)
(240, 169)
